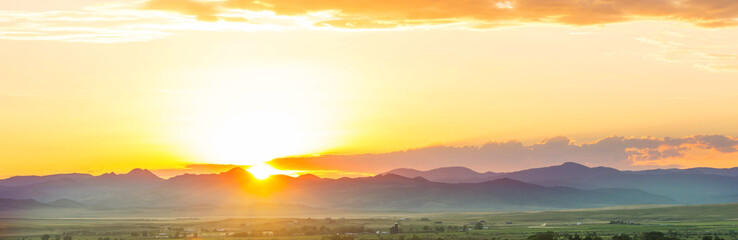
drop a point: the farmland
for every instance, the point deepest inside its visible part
(681, 222)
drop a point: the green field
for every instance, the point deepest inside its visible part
(683, 222)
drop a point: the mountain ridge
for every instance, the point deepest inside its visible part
(375, 193)
(565, 186)
(693, 186)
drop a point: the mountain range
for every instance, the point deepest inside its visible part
(566, 186)
(687, 186)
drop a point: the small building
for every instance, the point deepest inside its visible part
(395, 229)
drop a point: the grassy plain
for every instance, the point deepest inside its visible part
(683, 222)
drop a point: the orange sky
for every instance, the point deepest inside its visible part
(100, 86)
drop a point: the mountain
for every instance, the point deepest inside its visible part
(25, 204)
(563, 174)
(446, 174)
(92, 190)
(393, 192)
(690, 186)
(138, 176)
(65, 203)
(18, 181)
(139, 189)
(567, 173)
(17, 204)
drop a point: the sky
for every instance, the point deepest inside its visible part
(357, 87)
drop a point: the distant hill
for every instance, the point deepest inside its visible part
(569, 172)
(94, 190)
(446, 174)
(391, 192)
(18, 204)
(65, 203)
(566, 186)
(25, 204)
(690, 186)
(18, 181)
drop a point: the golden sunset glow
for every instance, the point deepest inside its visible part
(368, 119)
(260, 136)
(247, 118)
(263, 171)
(362, 87)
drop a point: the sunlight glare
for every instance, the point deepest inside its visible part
(263, 171)
(257, 137)
(247, 115)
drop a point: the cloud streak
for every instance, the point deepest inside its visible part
(153, 19)
(615, 151)
(486, 13)
(115, 23)
(698, 50)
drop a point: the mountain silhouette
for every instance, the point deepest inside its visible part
(28, 180)
(26, 204)
(385, 192)
(689, 186)
(565, 186)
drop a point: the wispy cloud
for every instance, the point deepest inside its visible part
(152, 19)
(699, 51)
(719, 66)
(389, 13)
(615, 151)
(106, 25)
(112, 24)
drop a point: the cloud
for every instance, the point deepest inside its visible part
(204, 11)
(103, 25)
(719, 66)
(131, 21)
(390, 13)
(705, 51)
(117, 23)
(615, 151)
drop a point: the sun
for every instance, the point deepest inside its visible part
(257, 114)
(263, 171)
